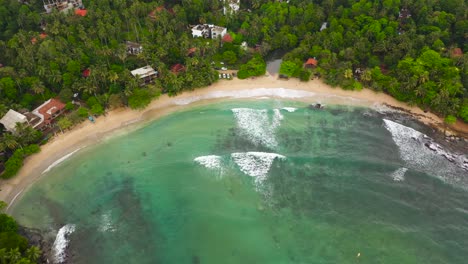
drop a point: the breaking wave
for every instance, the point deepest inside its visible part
(210, 161)
(289, 109)
(421, 153)
(256, 125)
(399, 175)
(247, 93)
(61, 243)
(255, 164)
(62, 159)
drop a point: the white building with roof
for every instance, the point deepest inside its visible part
(231, 6)
(208, 31)
(61, 5)
(10, 119)
(145, 74)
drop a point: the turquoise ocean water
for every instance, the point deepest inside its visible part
(265, 181)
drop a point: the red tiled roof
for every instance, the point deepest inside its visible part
(86, 73)
(457, 52)
(177, 68)
(49, 109)
(191, 51)
(43, 35)
(81, 12)
(33, 40)
(227, 38)
(311, 62)
(159, 9)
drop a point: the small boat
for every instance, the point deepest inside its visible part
(91, 118)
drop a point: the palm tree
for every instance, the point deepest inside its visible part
(10, 141)
(13, 255)
(33, 254)
(420, 91)
(348, 73)
(38, 88)
(366, 76)
(423, 77)
(25, 133)
(112, 76)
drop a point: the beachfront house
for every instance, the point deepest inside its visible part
(208, 31)
(42, 117)
(11, 118)
(62, 5)
(311, 63)
(145, 75)
(133, 48)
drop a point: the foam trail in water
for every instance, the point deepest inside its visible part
(399, 175)
(62, 159)
(247, 93)
(289, 109)
(420, 153)
(209, 161)
(277, 117)
(106, 223)
(255, 164)
(255, 124)
(61, 243)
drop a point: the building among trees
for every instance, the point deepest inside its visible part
(208, 31)
(311, 63)
(145, 74)
(43, 115)
(133, 48)
(61, 5)
(11, 118)
(231, 6)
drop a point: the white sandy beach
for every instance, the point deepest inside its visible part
(89, 133)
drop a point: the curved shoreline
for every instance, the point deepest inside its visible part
(87, 133)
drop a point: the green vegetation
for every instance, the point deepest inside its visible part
(14, 248)
(254, 67)
(290, 68)
(407, 54)
(450, 120)
(139, 99)
(14, 163)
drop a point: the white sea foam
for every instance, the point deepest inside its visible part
(62, 159)
(61, 243)
(421, 153)
(289, 109)
(399, 175)
(255, 164)
(247, 93)
(384, 109)
(277, 117)
(209, 161)
(404, 137)
(106, 223)
(256, 125)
